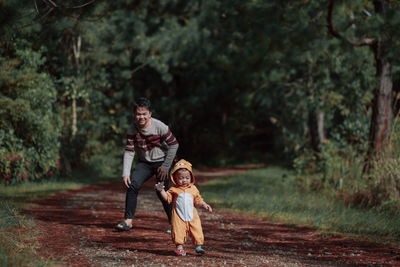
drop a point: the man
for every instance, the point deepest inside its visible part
(156, 147)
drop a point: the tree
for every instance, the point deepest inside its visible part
(379, 38)
(29, 120)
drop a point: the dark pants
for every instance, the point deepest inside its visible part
(140, 174)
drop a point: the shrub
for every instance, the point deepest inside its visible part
(338, 171)
(29, 122)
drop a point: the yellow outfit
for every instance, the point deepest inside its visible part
(185, 218)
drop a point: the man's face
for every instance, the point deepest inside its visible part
(142, 117)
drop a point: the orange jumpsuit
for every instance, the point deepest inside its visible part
(185, 218)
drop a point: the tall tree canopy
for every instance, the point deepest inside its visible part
(237, 81)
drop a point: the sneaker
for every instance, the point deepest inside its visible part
(200, 250)
(168, 231)
(180, 252)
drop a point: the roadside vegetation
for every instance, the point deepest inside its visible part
(275, 193)
(17, 230)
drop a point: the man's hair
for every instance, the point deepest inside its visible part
(142, 102)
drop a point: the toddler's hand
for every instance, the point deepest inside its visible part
(159, 186)
(207, 207)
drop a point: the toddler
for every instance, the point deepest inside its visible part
(185, 197)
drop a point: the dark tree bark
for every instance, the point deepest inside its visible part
(382, 104)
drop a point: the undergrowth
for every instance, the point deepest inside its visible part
(17, 246)
(341, 171)
(274, 193)
(17, 231)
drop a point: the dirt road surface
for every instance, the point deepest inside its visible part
(77, 229)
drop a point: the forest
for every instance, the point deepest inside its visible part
(310, 85)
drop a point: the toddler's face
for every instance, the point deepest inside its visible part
(183, 178)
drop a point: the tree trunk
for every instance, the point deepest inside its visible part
(315, 117)
(382, 104)
(77, 51)
(316, 127)
(74, 128)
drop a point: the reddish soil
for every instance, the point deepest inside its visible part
(77, 229)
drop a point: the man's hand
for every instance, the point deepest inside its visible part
(127, 181)
(162, 173)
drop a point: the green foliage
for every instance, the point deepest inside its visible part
(338, 171)
(30, 126)
(334, 168)
(385, 174)
(235, 80)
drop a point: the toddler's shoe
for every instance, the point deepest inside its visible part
(180, 252)
(200, 250)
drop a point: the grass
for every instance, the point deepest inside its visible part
(17, 231)
(272, 193)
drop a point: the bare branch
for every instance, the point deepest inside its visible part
(77, 47)
(69, 7)
(52, 3)
(363, 42)
(47, 13)
(140, 67)
(331, 28)
(83, 5)
(317, 17)
(36, 7)
(335, 33)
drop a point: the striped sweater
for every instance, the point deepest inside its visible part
(154, 144)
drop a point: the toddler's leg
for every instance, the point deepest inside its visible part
(196, 232)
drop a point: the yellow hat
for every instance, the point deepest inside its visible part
(182, 164)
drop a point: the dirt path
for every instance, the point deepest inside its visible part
(77, 228)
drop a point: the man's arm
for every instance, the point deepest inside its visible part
(173, 145)
(162, 171)
(128, 156)
(127, 165)
(169, 158)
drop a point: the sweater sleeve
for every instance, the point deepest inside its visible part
(173, 145)
(170, 156)
(129, 151)
(127, 164)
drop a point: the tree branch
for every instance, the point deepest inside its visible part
(331, 28)
(53, 4)
(47, 13)
(335, 33)
(36, 7)
(139, 67)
